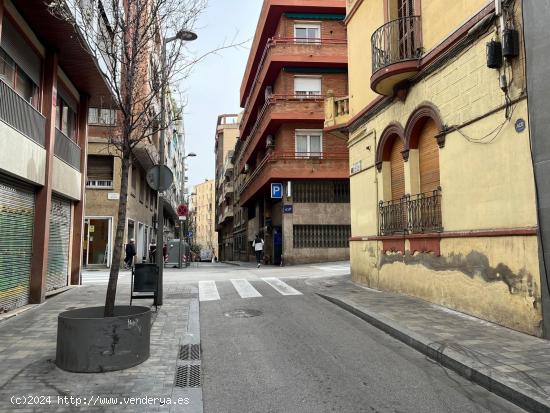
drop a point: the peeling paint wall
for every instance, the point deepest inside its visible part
(493, 278)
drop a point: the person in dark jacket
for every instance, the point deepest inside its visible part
(130, 254)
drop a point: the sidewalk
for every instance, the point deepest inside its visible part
(28, 346)
(513, 365)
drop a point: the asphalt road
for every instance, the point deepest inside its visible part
(303, 354)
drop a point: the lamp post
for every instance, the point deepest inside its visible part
(185, 36)
(182, 230)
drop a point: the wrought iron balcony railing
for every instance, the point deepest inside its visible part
(411, 214)
(396, 41)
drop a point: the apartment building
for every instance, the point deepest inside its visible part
(443, 201)
(47, 82)
(227, 133)
(204, 216)
(296, 189)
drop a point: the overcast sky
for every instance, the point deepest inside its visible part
(213, 87)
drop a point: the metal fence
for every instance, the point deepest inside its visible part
(20, 115)
(411, 214)
(321, 236)
(67, 150)
(396, 41)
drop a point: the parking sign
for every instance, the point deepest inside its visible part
(277, 191)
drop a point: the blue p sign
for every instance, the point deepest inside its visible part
(277, 191)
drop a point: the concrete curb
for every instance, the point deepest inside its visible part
(512, 390)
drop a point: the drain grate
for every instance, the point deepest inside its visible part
(188, 376)
(190, 352)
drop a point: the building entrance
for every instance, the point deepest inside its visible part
(97, 241)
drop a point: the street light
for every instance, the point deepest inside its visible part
(183, 35)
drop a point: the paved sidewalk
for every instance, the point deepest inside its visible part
(27, 357)
(513, 365)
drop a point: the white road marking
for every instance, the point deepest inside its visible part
(208, 291)
(245, 289)
(100, 278)
(281, 287)
(333, 268)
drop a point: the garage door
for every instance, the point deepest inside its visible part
(58, 248)
(16, 232)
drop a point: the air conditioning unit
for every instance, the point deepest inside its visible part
(246, 168)
(268, 91)
(270, 141)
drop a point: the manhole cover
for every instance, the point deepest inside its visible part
(243, 313)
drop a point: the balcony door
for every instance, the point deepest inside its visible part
(397, 170)
(402, 32)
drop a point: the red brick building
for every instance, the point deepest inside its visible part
(299, 55)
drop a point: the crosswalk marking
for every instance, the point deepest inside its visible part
(333, 268)
(208, 291)
(245, 289)
(100, 278)
(281, 287)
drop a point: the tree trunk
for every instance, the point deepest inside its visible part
(119, 237)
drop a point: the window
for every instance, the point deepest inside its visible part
(100, 172)
(142, 190)
(307, 33)
(321, 236)
(309, 144)
(102, 117)
(134, 180)
(65, 118)
(14, 76)
(307, 86)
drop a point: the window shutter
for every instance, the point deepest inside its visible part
(309, 85)
(397, 170)
(100, 168)
(20, 51)
(428, 153)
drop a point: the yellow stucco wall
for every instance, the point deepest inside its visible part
(486, 185)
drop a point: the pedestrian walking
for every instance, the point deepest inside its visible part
(152, 252)
(258, 245)
(130, 254)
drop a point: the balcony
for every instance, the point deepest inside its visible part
(283, 52)
(225, 214)
(146, 154)
(396, 53)
(277, 110)
(292, 165)
(20, 115)
(416, 214)
(67, 150)
(336, 111)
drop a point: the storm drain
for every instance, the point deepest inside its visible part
(190, 352)
(188, 376)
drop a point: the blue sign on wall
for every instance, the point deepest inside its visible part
(277, 191)
(190, 234)
(288, 209)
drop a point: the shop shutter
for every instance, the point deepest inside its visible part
(58, 246)
(397, 170)
(428, 152)
(16, 232)
(19, 50)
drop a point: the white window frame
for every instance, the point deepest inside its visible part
(308, 94)
(308, 25)
(308, 133)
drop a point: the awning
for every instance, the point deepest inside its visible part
(315, 16)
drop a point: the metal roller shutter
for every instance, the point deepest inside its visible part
(16, 232)
(58, 246)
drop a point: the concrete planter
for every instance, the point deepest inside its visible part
(87, 342)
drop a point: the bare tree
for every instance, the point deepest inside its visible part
(126, 38)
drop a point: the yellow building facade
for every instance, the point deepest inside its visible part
(203, 208)
(442, 189)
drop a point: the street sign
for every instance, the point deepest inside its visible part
(182, 210)
(190, 234)
(288, 209)
(183, 218)
(277, 191)
(520, 125)
(153, 178)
